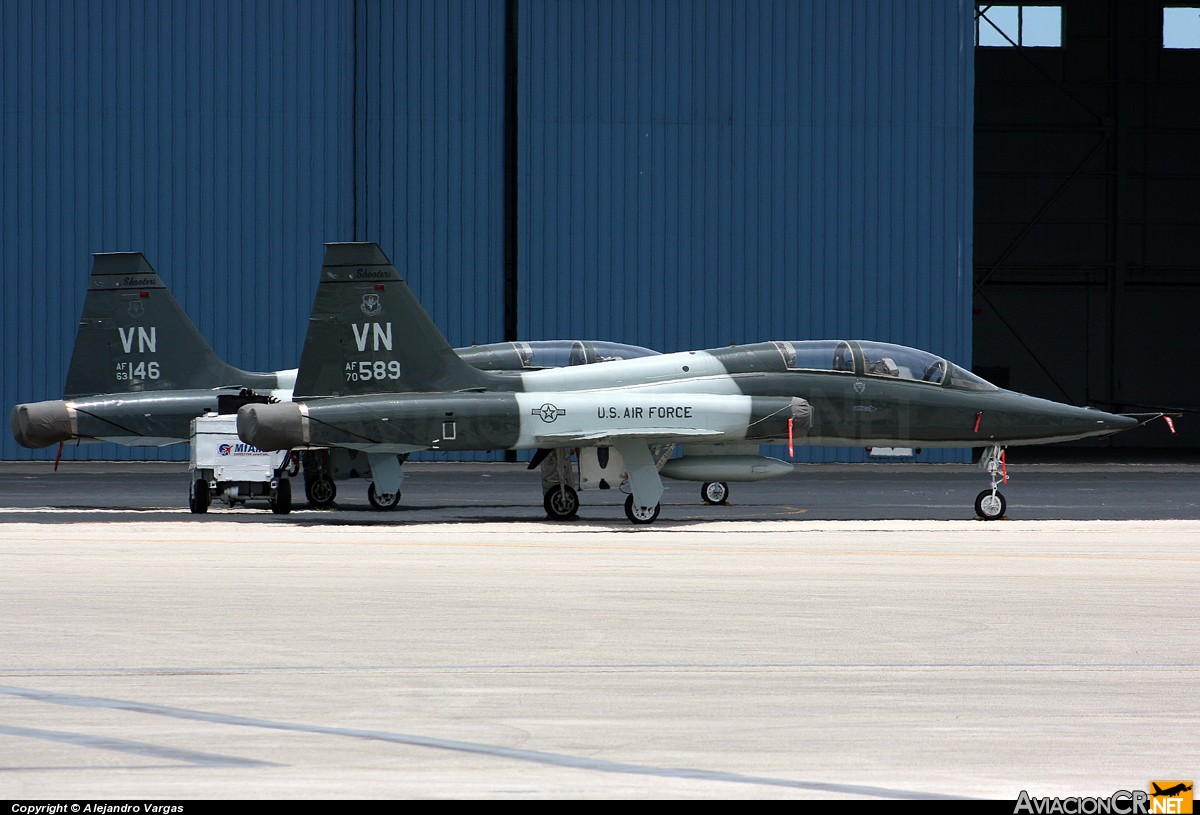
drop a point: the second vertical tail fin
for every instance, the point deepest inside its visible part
(368, 334)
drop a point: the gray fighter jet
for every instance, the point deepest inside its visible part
(141, 371)
(377, 376)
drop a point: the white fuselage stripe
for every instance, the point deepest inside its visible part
(609, 413)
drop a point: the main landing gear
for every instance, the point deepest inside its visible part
(715, 492)
(990, 504)
(561, 503)
(320, 491)
(558, 485)
(560, 481)
(645, 487)
(382, 501)
(641, 515)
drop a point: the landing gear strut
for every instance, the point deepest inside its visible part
(990, 504)
(559, 497)
(645, 487)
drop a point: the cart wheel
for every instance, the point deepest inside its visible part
(281, 504)
(198, 497)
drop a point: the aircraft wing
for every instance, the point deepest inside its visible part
(663, 434)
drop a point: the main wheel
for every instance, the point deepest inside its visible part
(320, 492)
(715, 492)
(990, 507)
(378, 501)
(640, 515)
(561, 503)
(198, 497)
(281, 504)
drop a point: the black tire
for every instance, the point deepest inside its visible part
(715, 492)
(987, 509)
(198, 497)
(320, 492)
(561, 503)
(637, 518)
(281, 503)
(379, 504)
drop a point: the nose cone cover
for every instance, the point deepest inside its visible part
(41, 424)
(273, 427)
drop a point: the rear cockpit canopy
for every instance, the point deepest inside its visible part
(564, 353)
(878, 359)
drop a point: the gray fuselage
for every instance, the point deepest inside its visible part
(727, 395)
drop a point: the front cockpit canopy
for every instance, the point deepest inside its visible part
(882, 359)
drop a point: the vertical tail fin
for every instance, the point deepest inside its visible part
(369, 334)
(134, 336)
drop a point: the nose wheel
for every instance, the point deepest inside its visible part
(990, 504)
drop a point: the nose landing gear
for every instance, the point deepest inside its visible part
(990, 504)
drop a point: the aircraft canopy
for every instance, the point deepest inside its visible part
(562, 353)
(878, 359)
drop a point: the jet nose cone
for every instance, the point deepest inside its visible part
(1116, 423)
(1030, 420)
(1099, 423)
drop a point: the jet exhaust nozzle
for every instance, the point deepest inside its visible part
(273, 427)
(41, 424)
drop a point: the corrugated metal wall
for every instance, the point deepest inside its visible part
(690, 174)
(430, 165)
(696, 174)
(216, 137)
(429, 160)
